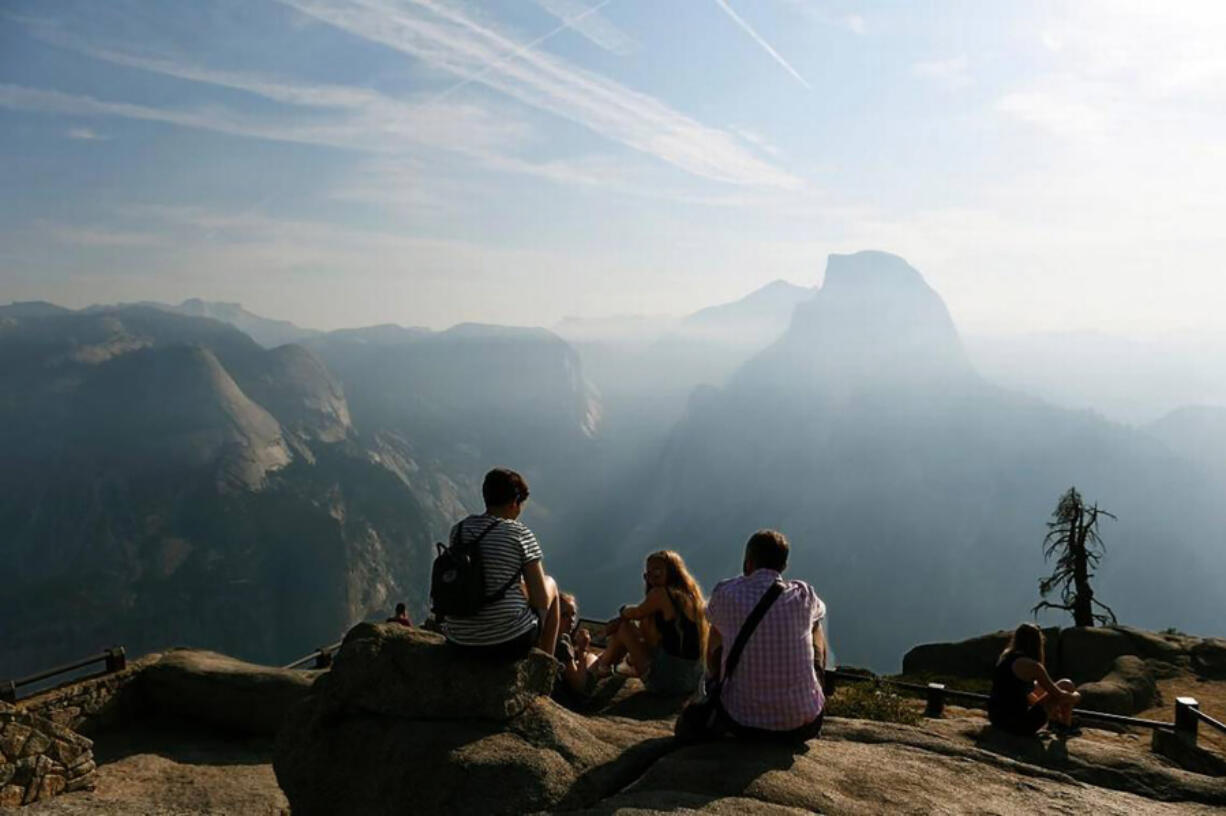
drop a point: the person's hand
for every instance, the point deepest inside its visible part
(583, 639)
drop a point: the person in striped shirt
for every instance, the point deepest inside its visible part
(527, 614)
(774, 692)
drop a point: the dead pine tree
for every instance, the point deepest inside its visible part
(1073, 538)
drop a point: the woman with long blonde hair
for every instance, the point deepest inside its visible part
(665, 636)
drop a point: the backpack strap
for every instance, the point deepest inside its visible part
(501, 592)
(456, 537)
(747, 628)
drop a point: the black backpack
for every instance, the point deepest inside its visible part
(457, 581)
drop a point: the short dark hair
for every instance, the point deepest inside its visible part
(503, 486)
(768, 549)
(400, 609)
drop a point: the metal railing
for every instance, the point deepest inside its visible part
(1187, 710)
(1188, 717)
(937, 694)
(113, 659)
(321, 657)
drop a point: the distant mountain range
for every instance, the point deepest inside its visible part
(915, 491)
(198, 474)
(167, 480)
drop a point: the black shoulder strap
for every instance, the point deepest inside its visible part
(501, 592)
(751, 623)
(459, 537)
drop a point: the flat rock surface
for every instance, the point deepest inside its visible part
(860, 767)
(955, 765)
(620, 759)
(159, 772)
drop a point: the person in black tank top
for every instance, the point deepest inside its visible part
(664, 637)
(1024, 698)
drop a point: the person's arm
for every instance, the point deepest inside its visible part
(819, 645)
(575, 669)
(817, 615)
(654, 602)
(534, 579)
(1025, 668)
(715, 649)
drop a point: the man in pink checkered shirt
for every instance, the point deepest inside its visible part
(774, 690)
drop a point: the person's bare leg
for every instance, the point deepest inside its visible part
(614, 651)
(1064, 712)
(551, 623)
(636, 646)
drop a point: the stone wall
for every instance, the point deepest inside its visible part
(40, 759)
(92, 704)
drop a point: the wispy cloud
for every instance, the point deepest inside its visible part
(952, 72)
(756, 37)
(102, 237)
(590, 24)
(820, 11)
(447, 38)
(85, 134)
(463, 128)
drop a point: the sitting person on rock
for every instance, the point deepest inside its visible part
(1023, 697)
(401, 617)
(523, 613)
(578, 679)
(664, 636)
(774, 693)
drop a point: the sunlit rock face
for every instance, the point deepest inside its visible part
(167, 480)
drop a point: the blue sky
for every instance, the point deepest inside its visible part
(1046, 165)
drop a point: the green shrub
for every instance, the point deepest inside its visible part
(868, 701)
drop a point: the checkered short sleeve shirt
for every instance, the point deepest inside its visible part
(775, 686)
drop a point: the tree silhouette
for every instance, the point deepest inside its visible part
(1074, 537)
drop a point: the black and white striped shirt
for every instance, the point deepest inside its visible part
(505, 551)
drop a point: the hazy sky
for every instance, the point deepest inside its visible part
(1046, 166)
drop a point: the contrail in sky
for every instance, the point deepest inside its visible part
(523, 49)
(736, 18)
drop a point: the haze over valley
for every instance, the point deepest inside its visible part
(169, 479)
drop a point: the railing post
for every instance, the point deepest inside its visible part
(936, 700)
(116, 660)
(324, 659)
(8, 692)
(1186, 720)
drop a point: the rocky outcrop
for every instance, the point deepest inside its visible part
(379, 735)
(40, 759)
(403, 724)
(1116, 667)
(1209, 658)
(1128, 688)
(974, 657)
(431, 683)
(221, 692)
(1087, 654)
